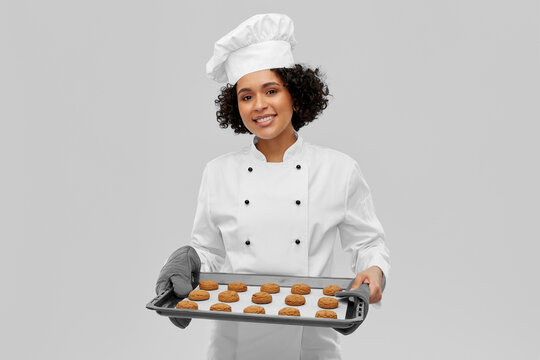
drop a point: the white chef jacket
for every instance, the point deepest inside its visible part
(255, 216)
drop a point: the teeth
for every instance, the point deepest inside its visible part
(264, 119)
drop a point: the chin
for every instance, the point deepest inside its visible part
(266, 136)
(271, 132)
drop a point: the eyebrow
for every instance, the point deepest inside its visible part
(265, 85)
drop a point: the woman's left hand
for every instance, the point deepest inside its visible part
(374, 277)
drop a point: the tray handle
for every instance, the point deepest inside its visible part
(360, 297)
(153, 304)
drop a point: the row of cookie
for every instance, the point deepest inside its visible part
(255, 309)
(262, 298)
(271, 288)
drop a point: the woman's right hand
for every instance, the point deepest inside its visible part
(181, 272)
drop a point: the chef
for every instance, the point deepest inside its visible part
(277, 205)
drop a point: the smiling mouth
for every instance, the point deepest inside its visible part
(264, 119)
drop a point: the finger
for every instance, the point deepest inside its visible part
(375, 298)
(375, 293)
(360, 278)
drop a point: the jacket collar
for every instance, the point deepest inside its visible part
(293, 152)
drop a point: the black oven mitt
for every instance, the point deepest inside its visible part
(362, 293)
(181, 272)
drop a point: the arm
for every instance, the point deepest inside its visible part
(362, 234)
(206, 237)
(205, 252)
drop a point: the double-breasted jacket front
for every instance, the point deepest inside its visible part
(255, 216)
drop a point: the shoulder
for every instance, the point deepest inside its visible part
(330, 157)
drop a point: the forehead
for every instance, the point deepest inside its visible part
(257, 79)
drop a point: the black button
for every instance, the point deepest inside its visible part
(246, 202)
(248, 242)
(297, 202)
(250, 169)
(298, 167)
(297, 241)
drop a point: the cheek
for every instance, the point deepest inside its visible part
(285, 108)
(242, 111)
(286, 103)
(244, 115)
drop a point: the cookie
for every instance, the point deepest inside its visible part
(228, 296)
(270, 288)
(289, 311)
(328, 314)
(199, 295)
(261, 298)
(254, 309)
(295, 300)
(220, 307)
(300, 289)
(331, 290)
(186, 304)
(327, 303)
(237, 286)
(208, 285)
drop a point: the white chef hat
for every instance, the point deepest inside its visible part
(263, 41)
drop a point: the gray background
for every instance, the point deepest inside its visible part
(108, 120)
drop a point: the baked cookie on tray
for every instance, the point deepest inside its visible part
(220, 307)
(186, 304)
(270, 288)
(289, 311)
(295, 300)
(261, 298)
(254, 309)
(237, 286)
(228, 296)
(327, 314)
(300, 289)
(328, 303)
(208, 285)
(199, 295)
(331, 290)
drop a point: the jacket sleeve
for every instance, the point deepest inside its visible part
(361, 232)
(206, 237)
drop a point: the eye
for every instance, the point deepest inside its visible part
(272, 91)
(246, 98)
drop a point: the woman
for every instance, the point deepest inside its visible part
(276, 206)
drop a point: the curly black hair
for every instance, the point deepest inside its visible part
(306, 86)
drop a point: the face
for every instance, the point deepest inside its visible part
(265, 105)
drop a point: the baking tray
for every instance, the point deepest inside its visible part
(352, 305)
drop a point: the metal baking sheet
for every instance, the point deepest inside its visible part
(350, 310)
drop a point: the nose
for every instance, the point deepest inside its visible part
(260, 103)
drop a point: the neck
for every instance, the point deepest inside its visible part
(274, 149)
